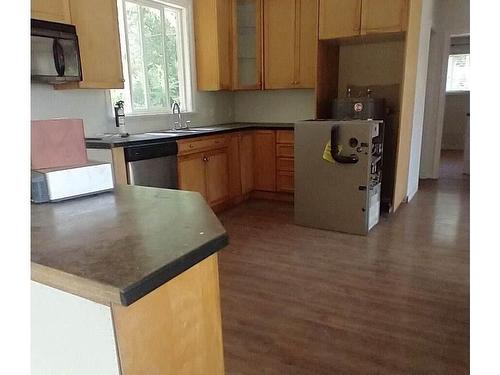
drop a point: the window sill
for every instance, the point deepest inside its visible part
(150, 115)
(463, 92)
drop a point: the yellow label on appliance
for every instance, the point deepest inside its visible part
(327, 154)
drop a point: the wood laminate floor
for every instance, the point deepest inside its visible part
(297, 300)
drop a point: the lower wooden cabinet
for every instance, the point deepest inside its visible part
(246, 162)
(225, 169)
(191, 169)
(217, 176)
(205, 169)
(264, 152)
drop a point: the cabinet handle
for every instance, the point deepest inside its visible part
(191, 146)
(205, 158)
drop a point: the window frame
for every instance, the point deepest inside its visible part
(455, 92)
(185, 38)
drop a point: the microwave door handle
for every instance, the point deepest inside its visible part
(335, 152)
(58, 57)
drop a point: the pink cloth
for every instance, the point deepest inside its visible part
(57, 143)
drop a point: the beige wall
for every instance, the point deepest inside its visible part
(274, 105)
(370, 64)
(94, 108)
(455, 120)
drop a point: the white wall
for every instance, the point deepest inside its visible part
(455, 121)
(274, 105)
(94, 108)
(451, 17)
(420, 91)
(70, 334)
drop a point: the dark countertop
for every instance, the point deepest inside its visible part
(145, 138)
(117, 247)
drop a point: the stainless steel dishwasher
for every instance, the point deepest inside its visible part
(152, 165)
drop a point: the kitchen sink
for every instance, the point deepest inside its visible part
(182, 131)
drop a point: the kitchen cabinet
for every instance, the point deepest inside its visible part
(51, 10)
(216, 174)
(246, 163)
(339, 18)
(96, 24)
(203, 166)
(233, 151)
(246, 44)
(285, 161)
(290, 43)
(349, 18)
(264, 168)
(382, 16)
(191, 170)
(212, 28)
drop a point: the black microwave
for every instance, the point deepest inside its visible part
(55, 55)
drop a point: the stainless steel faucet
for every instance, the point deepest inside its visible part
(177, 110)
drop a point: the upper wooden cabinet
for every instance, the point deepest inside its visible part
(348, 18)
(290, 40)
(382, 16)
(246, 43)
(96, 24)
(212, 28)
(339, 18)
(51, 10)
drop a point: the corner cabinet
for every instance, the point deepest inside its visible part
(96, 24)
(51, 10)
(290, 40)
(350, 18)
(247, 37)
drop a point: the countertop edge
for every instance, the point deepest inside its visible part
(244, 126)
(163, 275)
(108, 295)
(76, 285)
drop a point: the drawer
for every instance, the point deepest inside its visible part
(285, 182)
(285, 164)
(285, 136)
(285, 150)
(188, 146)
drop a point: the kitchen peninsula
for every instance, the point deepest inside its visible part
(126, 282)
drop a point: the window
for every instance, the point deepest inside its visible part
(155, 56)
(458, 73)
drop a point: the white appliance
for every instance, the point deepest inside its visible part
(338, 174)
(55, 184)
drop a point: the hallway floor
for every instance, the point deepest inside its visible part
(298, 300)
(451, 164)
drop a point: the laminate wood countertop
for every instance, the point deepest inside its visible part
(117, 247)
(110, 141)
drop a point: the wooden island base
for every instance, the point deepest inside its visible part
(176, 329)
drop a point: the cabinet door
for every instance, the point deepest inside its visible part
(246, 162)
(51, 10)
(216, 172)
(247, 56)
(339, 18)
(279, 44)
(233, 151)
(191, 169)
(382, 16)
(264, 152)
(307, 42)
(212, 19)
(96, 23)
